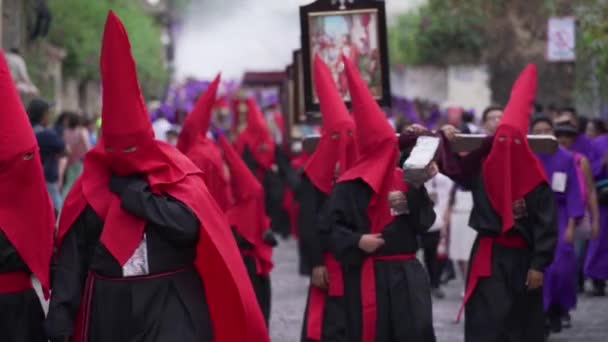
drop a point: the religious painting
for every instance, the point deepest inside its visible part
(331, 29)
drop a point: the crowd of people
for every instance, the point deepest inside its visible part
(166, 233)
(62, 146)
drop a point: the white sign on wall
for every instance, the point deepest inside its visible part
(561, 39)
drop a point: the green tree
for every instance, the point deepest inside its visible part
(505, 35)
(402, 39)
(592, 48)
(440, 32)
(78, 27)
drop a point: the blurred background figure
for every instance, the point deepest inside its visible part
(172, 134)
(52, 147)
(439, 189)
(21, 77)
(76, 138)
(595, 127)
(490, 118)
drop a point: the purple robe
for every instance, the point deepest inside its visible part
(596, 262)
(560, 277)
(585, 146)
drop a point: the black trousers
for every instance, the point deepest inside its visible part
(430, 241)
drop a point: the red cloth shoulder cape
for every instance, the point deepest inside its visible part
(234, 310)
(207, 156)
(247, 214)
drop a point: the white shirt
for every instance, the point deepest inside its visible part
(161, 126)
(439, 188)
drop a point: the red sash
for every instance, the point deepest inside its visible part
(368, 292)
(481, 265)
(317, 297)
(13, 282)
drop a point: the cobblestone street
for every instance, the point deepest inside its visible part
(590, 320)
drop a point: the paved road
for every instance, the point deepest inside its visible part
(590, 321)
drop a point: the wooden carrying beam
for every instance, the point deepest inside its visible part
(466, 143)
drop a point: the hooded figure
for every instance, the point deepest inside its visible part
(250, 225)
(27, 220)
(335, 153)
(255, 142)
(144, 252)
(559, 281)
(514, 215)
(204, 152)
(596, 262)
(373, 223)
(256, 146)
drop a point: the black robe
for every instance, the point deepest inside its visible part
(312, 205)
(403, 298)
(274, 190)
(21, 315)
(501, 307)
(160, 309)
(261, 283)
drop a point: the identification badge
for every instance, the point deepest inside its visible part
(398, 203)
(558, 182)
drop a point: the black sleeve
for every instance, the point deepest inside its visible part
(308, 222)
(10, 261)
(347, 220)
(240, 241)
(422, 214)
(73, 258)
(249, 160)
(461, 169)
(544, 226)
(407, 140)
(175, 220)
(286, 171)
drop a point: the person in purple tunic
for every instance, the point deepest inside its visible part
(596, 260)
(559, 292)
(596, 263)
(582, 144)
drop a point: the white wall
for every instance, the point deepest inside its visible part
(462, 85)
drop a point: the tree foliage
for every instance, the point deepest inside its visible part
(78, 27)
(593, 35)
(440, 32)
(505, 35)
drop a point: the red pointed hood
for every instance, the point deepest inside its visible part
(221, 103)
(126, 124)
(243, 182)
(22, 185)
(336, 147)
(197, 122)
(247, 214)
(256, 137)
(511, 170)
(376, 139)
(204, 152)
